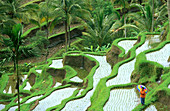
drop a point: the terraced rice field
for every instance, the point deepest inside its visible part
(160, 56)
(122, 100)
(119, 100)
(83, 103)
(126, 69)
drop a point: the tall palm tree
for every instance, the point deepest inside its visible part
(74, 11)
(62, 9)
(48, 12)
(69, 9)
(14, 43)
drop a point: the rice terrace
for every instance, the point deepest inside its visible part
(84, 55)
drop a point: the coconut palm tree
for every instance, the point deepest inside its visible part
(69, 9)
(48, 12)
(62, 9)
(37, 19)
(14, 43)
(143, 19)
(74, 11)
(14, 10)
(98, 30)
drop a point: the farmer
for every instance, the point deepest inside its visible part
(142, 96)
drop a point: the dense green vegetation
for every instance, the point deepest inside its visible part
(39, 31)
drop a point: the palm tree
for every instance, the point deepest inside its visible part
(14, 43)
(125, 5)
(14, 10)
(143, 20)
(69, 9)
(61, 8)
(99, 30)
(74, 10)
(48, 12)
(37, 19)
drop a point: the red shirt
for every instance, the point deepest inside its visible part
(142, 94)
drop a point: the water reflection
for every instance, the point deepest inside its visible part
(154, 40)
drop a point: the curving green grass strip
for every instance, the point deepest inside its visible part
(88, 79)
(33, 28)
(151, 96)
(49, 90)
(97, 100)
(71, 29)
(115, 43)
(11, 104)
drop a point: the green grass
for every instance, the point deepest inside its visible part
(81, 73)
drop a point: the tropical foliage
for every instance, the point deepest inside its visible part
(14, 42)
(14, 10)
(99, 30)
(101, 21)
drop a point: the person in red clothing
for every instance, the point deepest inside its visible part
(142, 96)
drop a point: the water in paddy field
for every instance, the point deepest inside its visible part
(57, 63)
(28, 86)
(153, 39)
(2, 106)
(83, 103)
(125, 70)
(124, 73)
(76, 79)
(160, 56)
(127, 44)
(13, 108)
(151, 108)
(39, 71)
(122, 100)
(54, 99)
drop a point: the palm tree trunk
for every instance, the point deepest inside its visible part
(69, 36)
(168, 5)
(152, 16)
(47, 28)
(47, 51)
(66, 34)
(66, 24)
(125, 24)
(17, 80)
(14, 62)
